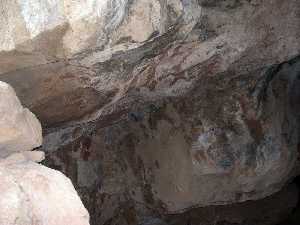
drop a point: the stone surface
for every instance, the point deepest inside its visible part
(269, 211)
(20, 130)
(161, 105)
(33, 156)
(32, 194)
(179, 154)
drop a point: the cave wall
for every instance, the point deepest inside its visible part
(158, 107)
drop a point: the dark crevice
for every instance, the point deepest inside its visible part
(269, 75)
(294, 218)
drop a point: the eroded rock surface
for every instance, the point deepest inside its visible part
(160, 106)
(174, 155)
(31, 194)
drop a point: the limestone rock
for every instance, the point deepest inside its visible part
(31, 194)
(25, 156)
(37, 32)
(165, 104)
(34, 194)
(90, 60)
(20, 130)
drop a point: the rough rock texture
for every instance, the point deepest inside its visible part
(161, 105)
(31, 194)
(268, 211)
(20, 130)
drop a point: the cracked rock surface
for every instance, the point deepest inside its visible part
(156, 107)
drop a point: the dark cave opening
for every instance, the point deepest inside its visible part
(294, 217)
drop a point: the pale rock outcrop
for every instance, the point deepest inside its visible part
(31, 194)
(19, 128)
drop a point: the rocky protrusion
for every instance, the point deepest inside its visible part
(31, 194)
(20, 130)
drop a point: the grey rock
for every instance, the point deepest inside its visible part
(152, 221)
(220, 74)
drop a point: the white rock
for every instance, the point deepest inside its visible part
(34, 194)
(31, 194)
(20, 130)
(34, 156)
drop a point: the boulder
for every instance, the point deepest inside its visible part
(20, 130)
(34, 194)
(31, 194)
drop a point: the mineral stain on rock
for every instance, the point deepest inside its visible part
(255, 129)
(160, 111)
(85, 148)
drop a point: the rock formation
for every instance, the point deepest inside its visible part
(19, 128)
(31, 194)
(156, 107)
